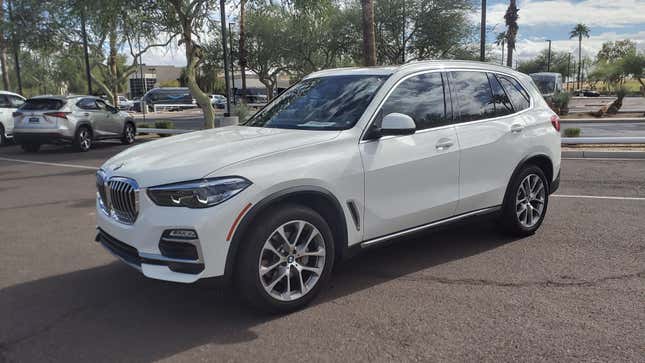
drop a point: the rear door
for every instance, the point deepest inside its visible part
(88, 110)
(490, 136)
(414, 179)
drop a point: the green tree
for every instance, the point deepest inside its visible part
(579, 31)
(613, 51)
(634, 65)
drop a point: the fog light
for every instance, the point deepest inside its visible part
(182, 233)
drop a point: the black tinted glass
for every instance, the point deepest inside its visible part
(420, 97)
(474, 96)
(518, 95)
(4, 101)
(500, 99)
(16, 101)
(326, 103)
(41, 104)
(87, 104)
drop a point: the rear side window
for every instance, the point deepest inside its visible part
(518, 95)
(474, 96)
(502, 104)
(87, 104)
(4, 101)
(42, 104)
(422, 98)
(15, 101)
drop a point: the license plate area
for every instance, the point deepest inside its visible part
(34, 120)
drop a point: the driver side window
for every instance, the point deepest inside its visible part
(422, 98)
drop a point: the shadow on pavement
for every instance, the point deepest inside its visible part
(112, 313)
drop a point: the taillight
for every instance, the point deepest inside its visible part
(16, 114)
(555, 121)
(57, 114)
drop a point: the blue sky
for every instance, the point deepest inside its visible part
(554, 19)
(539, 20)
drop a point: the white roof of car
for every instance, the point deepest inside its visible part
(10, 93)
(410, 67)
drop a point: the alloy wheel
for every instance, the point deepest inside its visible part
(292, 260)
(530, 200)
(84, 139)
(129, 134)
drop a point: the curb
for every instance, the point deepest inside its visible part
(604, 120)
(588, 154)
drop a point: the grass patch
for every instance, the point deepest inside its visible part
(165, 124)
(572, 132)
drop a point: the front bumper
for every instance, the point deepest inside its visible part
(141, 244)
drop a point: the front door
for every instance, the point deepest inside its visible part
(412, 180)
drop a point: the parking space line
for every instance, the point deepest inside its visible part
(596, 197)
(606, 159)
(49, 164)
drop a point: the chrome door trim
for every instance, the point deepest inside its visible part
(378, 240)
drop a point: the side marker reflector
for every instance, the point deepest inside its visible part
(237, 221)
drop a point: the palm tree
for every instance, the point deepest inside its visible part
(579, 31)
(511, 17)
(500, 41)
(369, 41)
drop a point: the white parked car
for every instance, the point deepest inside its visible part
(124, 103)
(9, 102)
(342, 161)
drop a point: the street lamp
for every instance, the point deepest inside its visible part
(548, 62)
(230, 37)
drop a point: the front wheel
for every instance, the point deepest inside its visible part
(526, 202)
(286, 260)
(128, 134)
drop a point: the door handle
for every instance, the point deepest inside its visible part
(517, 128)
(86, 114)
(444, 144)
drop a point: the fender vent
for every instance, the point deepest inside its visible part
(353, 210)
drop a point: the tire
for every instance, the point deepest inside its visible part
(3, 138)
(30, 148)
(255, 254)
(83, 139)
(521, 213)
(129, 134)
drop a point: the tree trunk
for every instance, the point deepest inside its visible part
(511, 17)
(16, 48)
(369, 42)
(193, 55)
(3, 52)
(243, 60)
(113, 78)
(579, 60)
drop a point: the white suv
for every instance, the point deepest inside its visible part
(341, 161)
(9, 102)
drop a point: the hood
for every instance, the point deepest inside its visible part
(196, 154)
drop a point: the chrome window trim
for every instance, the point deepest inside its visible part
(454, 123)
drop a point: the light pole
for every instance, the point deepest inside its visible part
(222, 5)
(568, 69)
(482, 37)
(548, 62)
(230, 37)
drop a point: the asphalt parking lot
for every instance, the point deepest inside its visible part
(574, 291)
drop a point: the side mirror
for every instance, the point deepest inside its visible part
(397, 124)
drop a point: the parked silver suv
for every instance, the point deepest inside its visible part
(75, 119)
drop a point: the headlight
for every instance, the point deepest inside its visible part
(202, 193)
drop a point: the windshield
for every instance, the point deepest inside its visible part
(546, 85)
(326, 103)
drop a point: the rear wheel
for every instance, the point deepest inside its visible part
(128, 134)
(30, 148)
(3, 139)
(83, 139)
(526, 202)
(286, 260)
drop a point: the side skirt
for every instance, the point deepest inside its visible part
(442, 222)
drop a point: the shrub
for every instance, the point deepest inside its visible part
(561, 102)
(242, 111)
(572, 132)
(164, 125)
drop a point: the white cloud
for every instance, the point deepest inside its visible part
(529, 48)
(603, 13)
